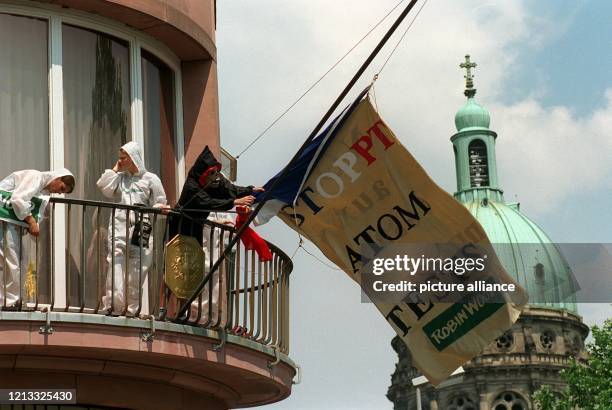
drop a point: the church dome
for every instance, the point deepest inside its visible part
(548, 334)
(527, 253)
(472, 116)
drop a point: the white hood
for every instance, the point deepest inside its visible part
(49, 176)
(134, 151)
(27, 184)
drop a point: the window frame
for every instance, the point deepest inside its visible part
(136, 40)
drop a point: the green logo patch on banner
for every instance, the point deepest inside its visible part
(459, 319)
(7, 213)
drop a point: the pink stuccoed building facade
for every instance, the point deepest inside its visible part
(78, 79)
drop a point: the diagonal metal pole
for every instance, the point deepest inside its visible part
(297, 155)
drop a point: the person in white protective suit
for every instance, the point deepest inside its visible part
(213, 247)
(132, 184)
(23, 186)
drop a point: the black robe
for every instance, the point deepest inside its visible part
(216, 198)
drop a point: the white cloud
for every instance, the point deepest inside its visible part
(421, 89)
(552, 153)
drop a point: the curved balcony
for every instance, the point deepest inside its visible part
(65, 324)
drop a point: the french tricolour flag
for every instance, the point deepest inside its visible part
(287, 191)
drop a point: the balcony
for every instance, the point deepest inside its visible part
(229, 350)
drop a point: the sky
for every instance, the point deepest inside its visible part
(544, 75)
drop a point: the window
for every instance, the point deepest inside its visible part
(539, 273)
(461, 402)
(96, 77)
(96, 81)
(159, 120)
(509, 401)
(479, 169)
(73, 90)
(24, 115)
(229, 165)
(24, 98)
(505, 341)
(547, 339)
(85, 86)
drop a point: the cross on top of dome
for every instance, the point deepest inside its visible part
(470, 91)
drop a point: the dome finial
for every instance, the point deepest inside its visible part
(470, 91)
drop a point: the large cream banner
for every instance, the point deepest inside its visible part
(366, 195)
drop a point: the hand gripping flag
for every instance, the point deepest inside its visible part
(359, 195)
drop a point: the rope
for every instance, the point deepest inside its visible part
(295, 251)
(317, 82)
(400, 40)
(301, 246)
(300, 239)
(320, 260)
(372, 92)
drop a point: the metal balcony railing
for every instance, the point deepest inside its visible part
(81, 263)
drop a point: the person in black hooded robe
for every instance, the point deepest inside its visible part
(206, 189)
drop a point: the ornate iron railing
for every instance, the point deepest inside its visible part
(81, 263)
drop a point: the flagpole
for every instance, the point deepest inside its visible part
(283, 173)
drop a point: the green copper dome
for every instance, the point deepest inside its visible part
(524, 249)
(472, 116)
(527, 253)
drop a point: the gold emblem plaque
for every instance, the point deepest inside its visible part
(184, 265)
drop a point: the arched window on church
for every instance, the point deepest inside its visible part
(461, 402)
(539, 272)
(509, 401)
(479, 169)
(505, 341)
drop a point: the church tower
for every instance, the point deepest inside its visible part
(474, 147)
(549, 332)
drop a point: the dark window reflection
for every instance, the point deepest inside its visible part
(479, 168)
(159, 120)
(96, 123)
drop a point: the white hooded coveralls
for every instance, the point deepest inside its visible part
(23, 185)
(212, 252)
(141, 188)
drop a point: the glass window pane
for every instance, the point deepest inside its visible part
(24, 100)
(159, 121)
(229, 165)
(24, 121)
(96, 76)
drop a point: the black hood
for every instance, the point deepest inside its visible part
(205, 160)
